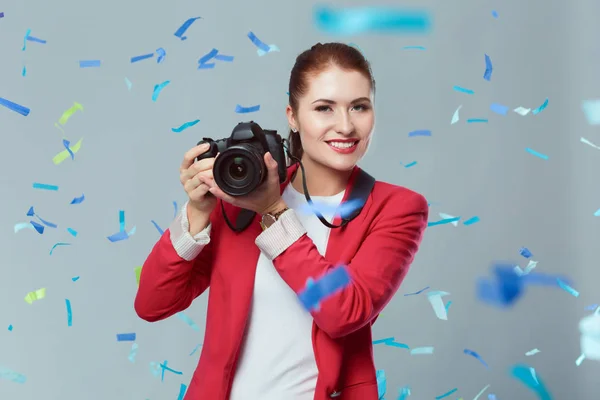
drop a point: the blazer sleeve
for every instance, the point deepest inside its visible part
(177, 270)
(376, 271)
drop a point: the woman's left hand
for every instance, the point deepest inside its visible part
(264, 199)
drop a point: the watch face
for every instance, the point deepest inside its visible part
(268, 220)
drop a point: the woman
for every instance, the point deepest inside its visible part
(260, 344)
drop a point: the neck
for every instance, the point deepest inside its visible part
(320, 180)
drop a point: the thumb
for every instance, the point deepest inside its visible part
(271, 163)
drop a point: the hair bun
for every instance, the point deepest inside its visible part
(316, 46)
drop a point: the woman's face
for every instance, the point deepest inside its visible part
(335, 118)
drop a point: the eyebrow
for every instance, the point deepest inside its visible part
(333, 102)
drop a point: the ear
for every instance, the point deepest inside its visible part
(290, 117)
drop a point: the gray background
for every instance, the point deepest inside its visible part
(129, 160)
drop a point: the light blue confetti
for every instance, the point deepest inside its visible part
(535, 153)
(540, 108)
(463, 90)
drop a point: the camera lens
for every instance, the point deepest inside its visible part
(238, 168)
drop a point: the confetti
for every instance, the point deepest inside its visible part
(589, 327)
(142, 57)
(69, 313)
(421, 350)
(78, 200)
(89, 63)
(455, 117)
(499, 108)
(476, 120)
(435, 299)
(591, 109)
(24, 71)
(158, 228)
(477, 356)
(422, 132)
(244, 110)
(35, 295)
(446, 394)
(487, 75)
(403, 393)
(58, 244)
(443, 221)
(381, 383)
(567, 288)
(362, 20)
(138, 273)
(23, 225)
(471, 220)
(122, 234)
(526, 375)
(208, 56)
(535, 153)
(258, 43)
(418, 292)
(540, 108)
(532, 352)
(185, 126)
(188, 321)
(44, 186)
(584, 140)
(126, 337)
(36, 40)
(179, 33)
(391, 342)
(128, 83)
(494, 14)
(524, 251)
(25, 39)
(522, 110)
(75, 278)
(133, 352)
(11, 375)
(10, 328)
(413, 48)
(410, 164)
(182, 389)
(158, 88)
(161, 55)
(63, 155)
(481, 392)
(1, 14)
(324, 287)
(166, 368)
(463, 90)
(448, 216)
(195, 349)
(261, 52)
(24, 111)
(206, 66)
(223, 57)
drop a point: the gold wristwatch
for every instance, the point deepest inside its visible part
(269, 219)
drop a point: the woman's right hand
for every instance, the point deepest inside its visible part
(201, 201)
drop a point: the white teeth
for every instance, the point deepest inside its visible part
(342, 145)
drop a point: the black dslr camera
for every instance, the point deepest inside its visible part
(240, 167)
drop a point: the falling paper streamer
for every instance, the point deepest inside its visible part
(35, 295)
(257, 42)
(413, 48)
(23, 225)
(499, 108)
(188, 321)
(418, 292)
(524, 374)
(195, 349)
(182, 389)
(158, 228)
(75, 278)
(567, 288)
(72, 231)
(530, 267)
(179, 33)
(63, 155)
(244, 110)
(421, 350)
(36, 40)
(58, 244)
(537, 154)
(591, 109)
(25, 39)
(403, 393)
(448, 216)
(272, 48)
(89, 63)
(471, 220)
(174, 209)
(327, 285)
(589, 327)
(455, 117)
(164, 368)
(44, 186)
(141, 57)
(24, 111)
(138, 274)
(24, 71)
(532, 352)
(208, 56)
(410, 164)
(69, 113)
(126, 337)
(481, 392)
(69, 313)
(435, 299)
(580, 360)
(477, 120)
(1, 14)
(158, 88)
(463, 90)
(161, 55)
(522, 110)
(11, 375)
(422, 132)
(475, 355)
(524, 251)
(128, 83)
(443, 221)
(222, 57)
(381, 383)
(78, 200)
(133, 352)
(362, 20)
(441, 396)
(487, 75)
(584, 140)
(391, 341)
(540, 108)
(185, 126)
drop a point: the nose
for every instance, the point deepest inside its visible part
(344, 124)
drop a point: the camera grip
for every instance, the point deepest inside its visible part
(211, 152)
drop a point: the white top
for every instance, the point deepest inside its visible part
(277, 358)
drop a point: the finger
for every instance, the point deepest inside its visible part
(271, 166)
(190, 156)
(192, 184)
(219, 194)
(204, 165)
(200, 192)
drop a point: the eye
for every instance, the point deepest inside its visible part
(361, 107)
(322, 108)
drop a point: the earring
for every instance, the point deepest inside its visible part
(294, 130)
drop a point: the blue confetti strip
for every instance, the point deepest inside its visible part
(126, 337)
(158, 228)
(161, 55)
(422, 132)
(524, 251)
(524, 374)
(195, 349)
(494, 14)
(413, 48)
(57, 245)
(208, 56)
(477, 356)
(67, 143)
(24, 111)
(567, 288)
(471, 220)
(72, 231)
(326, 286)
(448, 304)
(133, 352)
(463, 90)
(11, 375)
(206, 66)
(446, 394)
(361, 20)
(89, 63)
(222, 57)
(185, 126)
(537, 154)
(24, 71)
(69, 313)
(392, 343)
(1, 14)
(44, 186)
(158, 88)
(418, 292)
(39, 228)
(165, 368)
(403, 393)
(411, 164)
(142, 57)
(540, 108)
(244, 110)
(499, 108)
(121, 220)
(182, 389)
(75, 278)
(25, 39)
(476, 120)
(188, 321)
(174, 209)
(36, 40)
(487, 75)
(179, 33)
(78, 200)
(10, 328)
(443, 221)
(381, 383)
(258, 43)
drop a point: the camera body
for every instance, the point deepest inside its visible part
(240, 167)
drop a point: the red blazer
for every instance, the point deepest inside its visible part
(378, 247)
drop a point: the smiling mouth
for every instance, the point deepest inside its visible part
(342, 145)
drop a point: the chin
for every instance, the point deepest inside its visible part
(342, 164)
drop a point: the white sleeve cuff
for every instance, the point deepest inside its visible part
(186, 246)
(282, 234)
